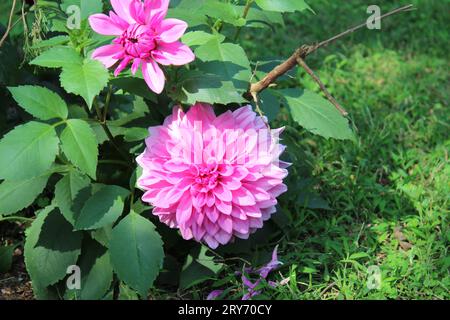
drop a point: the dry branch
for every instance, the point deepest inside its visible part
(299, 56)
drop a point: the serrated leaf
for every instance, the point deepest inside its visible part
(50, 248)
(58, 57)
(66, 191)
(136, 251)
(316, 114)
(17, 195)
(28, 151)
(79, 144)
(102, 209)
(52, 42)
(283, 5)
(227, 60)
(40, 102)
(96, 272)
(86, 79)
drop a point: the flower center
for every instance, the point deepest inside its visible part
(138, 41)
(207, 178)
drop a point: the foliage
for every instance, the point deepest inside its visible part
(71, 132)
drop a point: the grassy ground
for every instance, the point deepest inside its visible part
(389, 192)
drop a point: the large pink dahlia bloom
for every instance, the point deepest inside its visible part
(143, 37)
(213, 177)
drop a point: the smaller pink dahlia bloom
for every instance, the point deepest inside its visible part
(213, 177)
(143, 38)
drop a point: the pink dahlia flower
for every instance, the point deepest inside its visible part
(213, 177)
(143, 38)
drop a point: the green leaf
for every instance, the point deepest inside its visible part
(40, 102)
(283, 5)
(28, 151)
(257, 18)
(317, 114)
(88, 7)
(66, 191)
(16, 195)
(135, 134)
(136, 252)
(134, 86)
(52, 42)
(198, 270)
(79, 144)
(197, 38)
(6, 255)
(50, 248)
(224, 74)
(96, 272)
(86, 79)
(103, 208)
(270, 104)
(312, 200)
(227, 12)
(235, 66)
(58, 57)
(203, 87)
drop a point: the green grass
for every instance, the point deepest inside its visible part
(394, 83)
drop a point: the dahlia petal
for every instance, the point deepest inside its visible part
(154, 76)
(243, 197)
(175, 53)
(212, 243)
(156, 10)
(224, 207)
(184, 210)
(222, 193)
(223, 237)
(105, 54)
(172, 29)
(122, 8)
(226, 223)
(104, 25)
(212, 214)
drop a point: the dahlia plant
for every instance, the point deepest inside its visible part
(159, 152)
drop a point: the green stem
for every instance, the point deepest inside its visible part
(107, 102)
(244, 15)
(16, 218)
(109, 134)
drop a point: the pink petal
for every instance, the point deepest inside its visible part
(243, 197)
(172, 29)
(154, 76)
(122, 8)
(156, 10)
(176, 54)
(105, 54)
(223, 193)
(104, 25)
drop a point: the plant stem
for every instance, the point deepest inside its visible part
(10, 21)
(109, 134)
(244, 15)
(16, 218)
(107, 102)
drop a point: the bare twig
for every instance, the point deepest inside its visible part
(10, 23)
(316, 78)
(301, 53)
